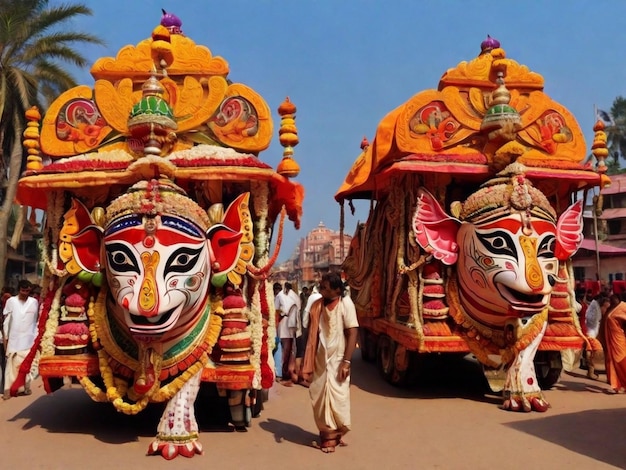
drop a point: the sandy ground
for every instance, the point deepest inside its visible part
(448, 421)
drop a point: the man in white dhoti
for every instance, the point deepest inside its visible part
(20, 330)
(332, 340)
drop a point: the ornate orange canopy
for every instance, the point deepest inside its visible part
(485, 114)
(163, 107)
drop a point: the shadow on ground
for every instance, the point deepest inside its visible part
(288, 432)
(72, 411)
(598, 434)
(435, 376)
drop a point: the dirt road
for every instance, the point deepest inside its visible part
(450, 421)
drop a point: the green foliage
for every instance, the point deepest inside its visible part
(616, 136)
(36, 41)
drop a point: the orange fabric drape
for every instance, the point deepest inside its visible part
(308, 365)
(615, 351)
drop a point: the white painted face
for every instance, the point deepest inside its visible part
(158, 272)
(506, 267)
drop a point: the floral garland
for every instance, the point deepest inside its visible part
(260, 196)
(117, 388)
(211, 336)
(268, 369)
(91, 315)
(255, 319)
(480, 339)
(55, 215)
(263, 271)
(47, 340)
(215, 156)
(103, 334)
(260, 307)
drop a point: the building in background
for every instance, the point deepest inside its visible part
(317, 253)
(24, 249)
(602, 255)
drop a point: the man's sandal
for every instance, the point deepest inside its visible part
(328, 445)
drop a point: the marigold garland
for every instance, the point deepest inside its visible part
(94, 392)
(480, 339)
(116, 388)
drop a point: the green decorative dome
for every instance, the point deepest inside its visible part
(152, 108)
(500, 112)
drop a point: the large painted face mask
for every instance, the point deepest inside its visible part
(507, 244)
(158, 271)
(160, 252)
(506, 267)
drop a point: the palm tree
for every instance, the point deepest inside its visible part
(616, 134)
(35, 40)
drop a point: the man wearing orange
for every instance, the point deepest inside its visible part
(615, 347)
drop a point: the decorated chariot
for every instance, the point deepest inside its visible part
(160, 217)
(476, 194)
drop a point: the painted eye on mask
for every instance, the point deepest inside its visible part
(498, 243)
(121, 259)
(546, 247)
(182, 260)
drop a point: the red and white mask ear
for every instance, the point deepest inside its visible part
(569, 231)
(434, 230)
(231, 243)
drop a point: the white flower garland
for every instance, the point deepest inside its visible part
(260, 196)
(271, 326)
(47, 340)
(255, 327)
(108, 156)
(55, 213)
(207, 151)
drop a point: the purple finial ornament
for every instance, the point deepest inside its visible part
(171, 22)
(489, 44)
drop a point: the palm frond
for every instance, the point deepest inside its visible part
(52, 17)
(54, 52)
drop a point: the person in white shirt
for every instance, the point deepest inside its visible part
(19, 330)
(301, 342)
(288, 308)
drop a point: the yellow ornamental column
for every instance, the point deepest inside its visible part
(288, 136)
(598, 148)
(31, 139)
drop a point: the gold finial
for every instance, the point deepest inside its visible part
(501, 121)
(288, 136)
(31, 139)
(598, 148)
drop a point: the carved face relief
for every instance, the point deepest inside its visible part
(506, 267)
(158, 270)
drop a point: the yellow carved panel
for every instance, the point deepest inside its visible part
(138, 62)
(116, 100)
(73, 124)
(198, 101)
(243, 120)
(479, 72)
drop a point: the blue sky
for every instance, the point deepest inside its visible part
(346, 63)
